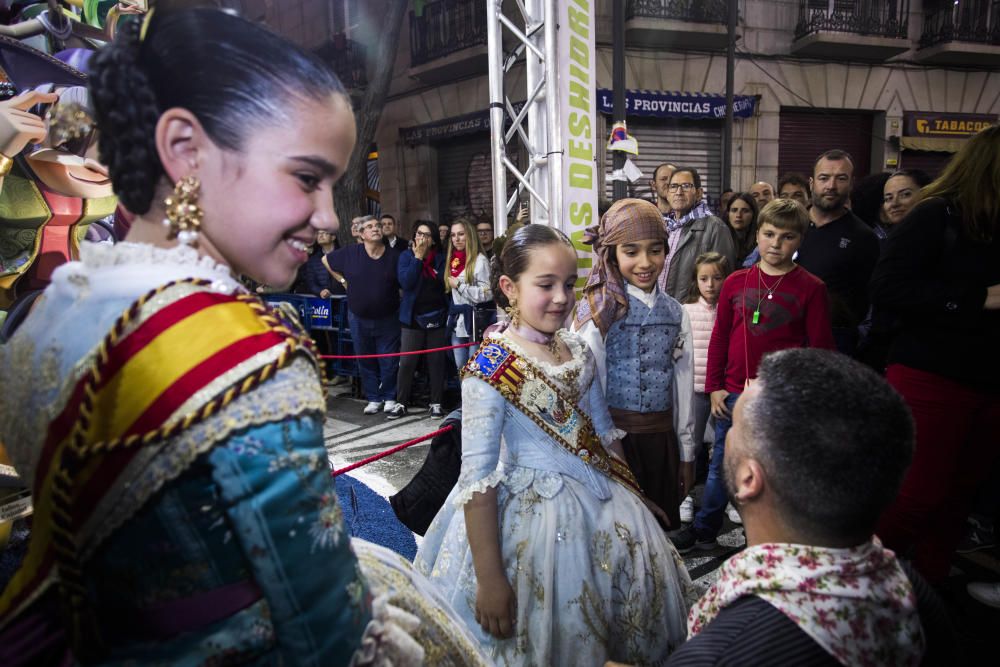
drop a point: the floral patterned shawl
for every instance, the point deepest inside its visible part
(700, 210)
(856, 603)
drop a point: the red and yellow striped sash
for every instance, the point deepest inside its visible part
(516, 378)
(161, 369)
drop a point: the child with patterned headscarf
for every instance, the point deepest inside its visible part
(641, 339)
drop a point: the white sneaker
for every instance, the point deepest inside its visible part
(733, 515)
(389, 406)
(373, 407)
(987, 593)
(687, 510)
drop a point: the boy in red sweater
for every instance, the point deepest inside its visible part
(773, 305)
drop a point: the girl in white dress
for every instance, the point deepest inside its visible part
(545, 546)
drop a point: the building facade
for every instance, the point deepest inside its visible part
(897, 83)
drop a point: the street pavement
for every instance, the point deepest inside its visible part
(352, 436)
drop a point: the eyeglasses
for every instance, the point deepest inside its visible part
(674, 187)
(368, 228)
(425, 234)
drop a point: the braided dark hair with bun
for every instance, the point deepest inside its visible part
(513, 260)
(233, 75)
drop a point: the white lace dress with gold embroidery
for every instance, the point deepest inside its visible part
(594, 575)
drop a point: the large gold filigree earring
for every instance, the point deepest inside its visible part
(183, 220)
(513, 313)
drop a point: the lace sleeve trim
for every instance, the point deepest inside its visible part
(480, 486)
(612, 435)
(388, 638)
(97, 255)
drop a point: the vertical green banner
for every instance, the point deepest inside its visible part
(577, 83)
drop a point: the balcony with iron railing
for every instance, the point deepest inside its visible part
(348, 60)
(961, 33)
(862, 29)
(711, 11)
(681, 24)
(448, 40)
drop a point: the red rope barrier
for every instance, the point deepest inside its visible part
(395, 354)
(389, 452)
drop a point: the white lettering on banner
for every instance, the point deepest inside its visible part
(666, 104)
(670, 106)
(15, 509)
(576, 91)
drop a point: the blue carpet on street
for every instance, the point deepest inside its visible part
(370, 517)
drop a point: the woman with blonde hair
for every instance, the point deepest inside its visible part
(939, 275)
(468, 282)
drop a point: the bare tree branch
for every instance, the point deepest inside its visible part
(349, 196)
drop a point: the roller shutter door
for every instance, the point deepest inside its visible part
(464, 177)
(806, 133)
(690, 143)
(931, 162)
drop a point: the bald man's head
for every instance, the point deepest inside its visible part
(762, 192)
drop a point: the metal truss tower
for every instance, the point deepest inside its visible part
(529, 25)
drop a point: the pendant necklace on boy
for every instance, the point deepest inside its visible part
(769, 295)
(533, 335)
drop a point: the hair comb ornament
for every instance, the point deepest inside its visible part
(68, 122)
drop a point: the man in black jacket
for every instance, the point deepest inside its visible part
(818, 448)
(839, 248)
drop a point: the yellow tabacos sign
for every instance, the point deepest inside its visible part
(945, 125)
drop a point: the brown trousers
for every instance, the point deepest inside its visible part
(653, 454)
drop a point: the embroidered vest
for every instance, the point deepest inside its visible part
(640, 355)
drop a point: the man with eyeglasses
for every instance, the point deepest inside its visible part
(691, 230)
(484, 231)
(367, 270)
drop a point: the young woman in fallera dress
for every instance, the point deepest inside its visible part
(170, 423)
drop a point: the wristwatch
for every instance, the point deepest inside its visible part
(6, 164)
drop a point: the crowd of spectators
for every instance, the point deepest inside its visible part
(916, 302)
(403, 293)
(912, 271)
